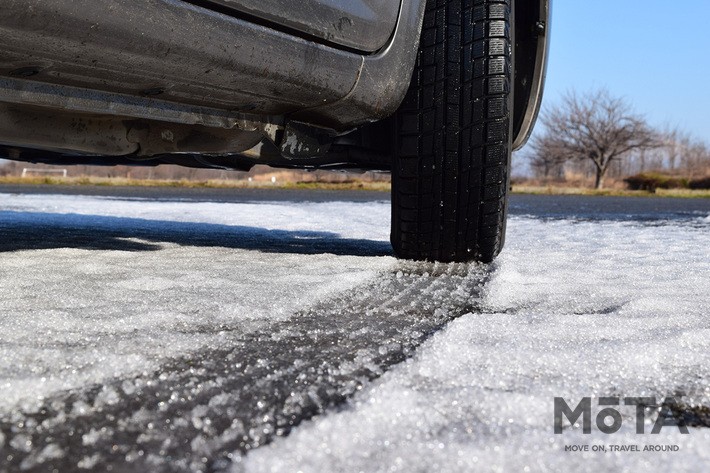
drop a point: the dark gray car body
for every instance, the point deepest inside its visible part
(362, 25)
(224, 83)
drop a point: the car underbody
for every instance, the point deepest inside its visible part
(219, 84)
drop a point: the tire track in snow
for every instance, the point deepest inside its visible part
(198, 411)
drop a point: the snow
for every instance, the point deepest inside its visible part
(99, 288)
(100, 292)
(573, 309)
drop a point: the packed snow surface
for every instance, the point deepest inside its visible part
(101, 292)
(572, 310)
(98, 288)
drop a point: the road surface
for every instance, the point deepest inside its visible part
(242, 330)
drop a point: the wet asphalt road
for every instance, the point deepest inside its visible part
(539, 206)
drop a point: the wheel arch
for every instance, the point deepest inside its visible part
(532, 33)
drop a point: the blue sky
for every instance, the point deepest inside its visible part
(654, 53)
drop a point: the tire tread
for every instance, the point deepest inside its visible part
(452, 136)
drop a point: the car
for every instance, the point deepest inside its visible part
(437, 92)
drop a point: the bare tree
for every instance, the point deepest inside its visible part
(545, 159)
(595, 127)
(684, 153)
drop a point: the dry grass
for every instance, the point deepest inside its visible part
(685, 193)
(554, 190)
(211, 183)
(352, 184)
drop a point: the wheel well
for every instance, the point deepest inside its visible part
(531, 39)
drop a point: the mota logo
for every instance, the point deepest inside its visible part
(666, 416)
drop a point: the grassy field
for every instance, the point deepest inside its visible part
(331, 185)
(212, 183)
(552, 190)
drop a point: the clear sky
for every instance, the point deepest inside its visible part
(655, 53)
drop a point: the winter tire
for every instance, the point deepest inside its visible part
(453, 134)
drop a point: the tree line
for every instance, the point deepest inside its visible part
(598, 135)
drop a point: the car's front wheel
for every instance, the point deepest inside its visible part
(450, 173)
